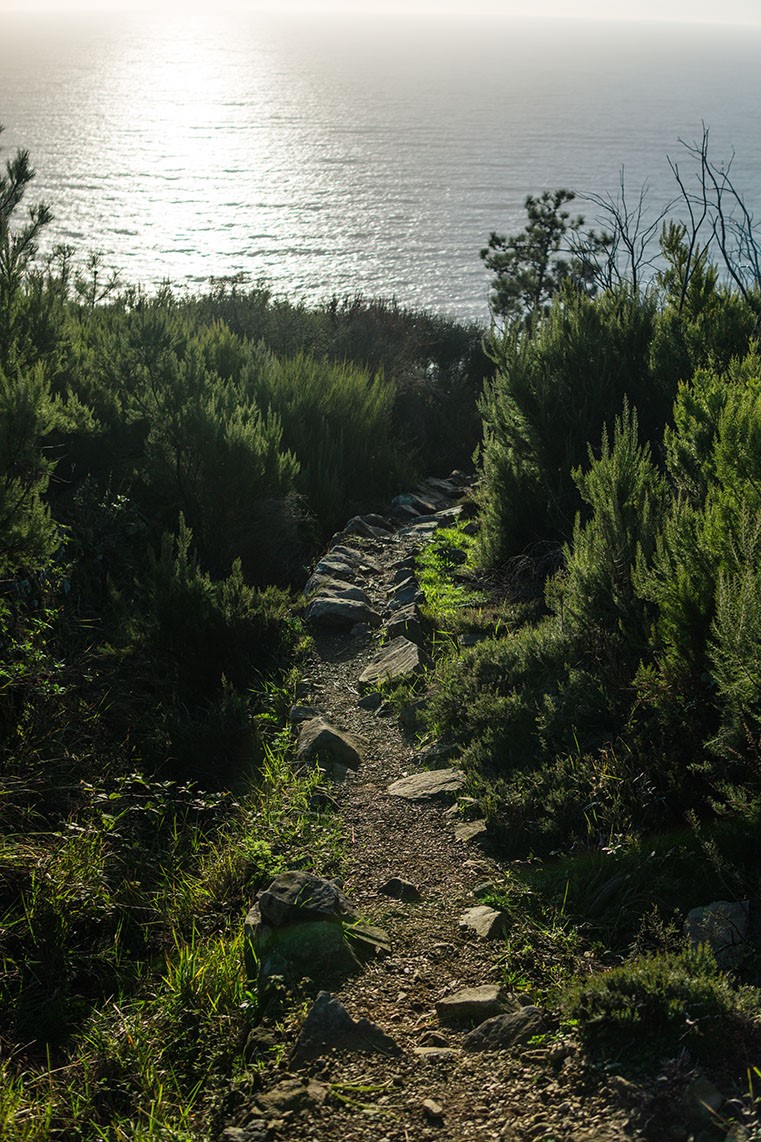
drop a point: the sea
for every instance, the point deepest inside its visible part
(343, 155)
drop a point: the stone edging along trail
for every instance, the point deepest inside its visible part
(422, 1042)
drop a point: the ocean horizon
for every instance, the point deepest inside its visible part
(372, 156)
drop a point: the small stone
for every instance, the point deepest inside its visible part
(486, 922)
(399, 889)
(319, 738)
(432, 1110)
(370, 701)
(298, 714)
(294, 1095)
(436, 1054)
(469, 831)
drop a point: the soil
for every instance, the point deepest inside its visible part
(543, 1091)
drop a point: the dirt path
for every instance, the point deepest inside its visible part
(528, 1092)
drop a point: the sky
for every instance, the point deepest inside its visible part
(695, 11)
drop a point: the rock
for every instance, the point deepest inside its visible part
(471, 1004)
(299, 929)
(319, 740)
(399, 889)
(360, 525)
(315, 949)
(419, 529)
(370, 701)
(702, 1100)
(333, 589)
(503, 1031)
(253, 1132)
(430, 784)
(294, 1095)
(358, 559)
(722, 925)
(436, 1054)
(298, 714)
(469, 830)
(294, 897)
(328, 1026)
(432, 1110)
(406, 622)
(408, 596)
(367, 941)
(339, 613)
(486, 922)
(399, 659)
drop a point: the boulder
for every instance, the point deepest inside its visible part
(428, 785)
(722, 925)
(504, 1031)
(328, 1026)
(321, 741)
(293, 897)
(398, 660)
(314, 949)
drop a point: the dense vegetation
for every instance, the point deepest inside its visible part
(168, 469)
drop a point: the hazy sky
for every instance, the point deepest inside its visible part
(727, 11)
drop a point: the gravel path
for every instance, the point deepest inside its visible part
(529, 1092)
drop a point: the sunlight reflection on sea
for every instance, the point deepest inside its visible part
(374, 157)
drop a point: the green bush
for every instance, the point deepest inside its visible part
(558, 384)
(654, 1007)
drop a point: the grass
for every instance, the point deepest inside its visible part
(125, 1000)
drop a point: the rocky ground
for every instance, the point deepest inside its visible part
(421, 1071)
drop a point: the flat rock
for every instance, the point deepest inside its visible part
(328, 588)
(408, 622)
(436, 1054)
(293, 897)
(471, 1004)
(298, 714)
(339, 614)
(320, 739)
(399, 659)
(353, 556)
(293, 1095)
(328, 1026)
(399, 889)
(486, 922)
(722, 925)
(504, 1031)
(429, 784)
(468, 831)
